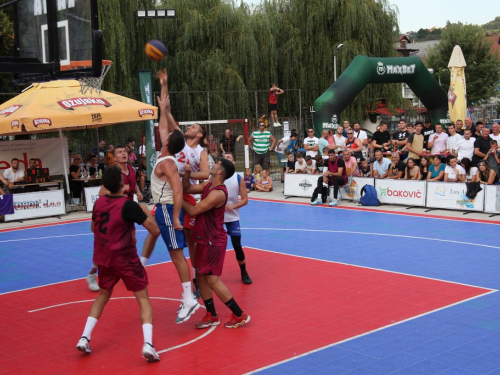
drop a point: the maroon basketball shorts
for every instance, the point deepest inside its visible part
(209, 259)
(134, 276)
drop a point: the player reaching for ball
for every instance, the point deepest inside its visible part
(116, 257)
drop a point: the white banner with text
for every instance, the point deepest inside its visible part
(300, 185)
(492, 198)
(404, 192)
(91, 196)
(452, 196)
(47, 153)
(37, 204)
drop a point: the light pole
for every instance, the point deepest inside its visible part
(335, 61)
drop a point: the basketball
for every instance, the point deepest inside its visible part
(155, 50)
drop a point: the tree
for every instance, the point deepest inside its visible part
(483, 67)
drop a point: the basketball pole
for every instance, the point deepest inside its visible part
(64, 159)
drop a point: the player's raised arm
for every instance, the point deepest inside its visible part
(214, 199)
(169, 125)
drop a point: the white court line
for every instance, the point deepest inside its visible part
(364, 334)
(206, 333)
(44, 238)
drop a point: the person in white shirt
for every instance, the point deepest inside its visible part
(454, 172)
(339, 140)
(13, 174)
(453, 138)
(437, 141)
(310, 165)
(465, 147)
(300, 164)
(311, 143)
(280, 149)
(495, 128)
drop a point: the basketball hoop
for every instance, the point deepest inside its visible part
(90, 84)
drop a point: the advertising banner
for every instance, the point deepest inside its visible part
(352, 191)
(405, 192)
(47, 153)
(452, 196)
(91, 195)
(492, 198)
(300, 185)
(37, 204)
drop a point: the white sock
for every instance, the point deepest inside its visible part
(147, 331)
(325, 185)
(187, 294)
(89, 326)
(319, 196)
(144, 261)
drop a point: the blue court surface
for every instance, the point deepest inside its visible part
(458, 338)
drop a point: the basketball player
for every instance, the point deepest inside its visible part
(194, 155)
(130, 187)
(235, 187)
(116, 257)
(166, 187)
(211, 239)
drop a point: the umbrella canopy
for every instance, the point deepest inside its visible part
(55, 105)
(457, 98)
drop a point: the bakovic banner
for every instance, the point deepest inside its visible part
(47, 153)
(452, 196)
(405, 192)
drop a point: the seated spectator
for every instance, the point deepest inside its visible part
(470, 171)
(74, 173)
(320, 163)
(131, 145)
(5, 186)
(310, 164)
(110, 157)
(380, 167)
(142, 148)
(94, 167)
(397, 167)
(13, 174)
(290, 163)
(142, 175)
(485, 174)
(293, 145)
(364, 168)
(32, 163)
(454, 172)
(300, 164)
(412, 171)
(436, 170)
(249, 180)
(257, 173)
(350, 162)
(335, 176)
(132, 158)
(424, 167)
(493, 157)
(265, 184)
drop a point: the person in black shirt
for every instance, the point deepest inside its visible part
(481, 146)
(364, 168)
(320, 163)
(397, 168)
(400, 138)
(427, 131)
(290, 163)
(227, 142)
(468, 125)
(381, 138)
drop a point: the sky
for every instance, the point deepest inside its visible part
(414, 15)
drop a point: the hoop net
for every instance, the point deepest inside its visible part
(89, 84)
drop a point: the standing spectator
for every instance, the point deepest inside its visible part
(323, 144)
(249, 180)
(380, 167)
(481, 146)
(459, 127)
(495, 129)
(74, 173)
(290, 163)
(400, 138)
(361, 135)
(350, 162)
(436, 170)
(468, 125)
(335, 176)
(280, 149)
(454, 172)
(131, 144)
(274, 91)
(261, 142)
(410, 128)
(228, 141)
(479, 128)
(485, 175)
(354, 145)
(492, 157)
(381, 138)
(412, 171)
(211, 146)
(110, 155)
(453, 139)
(427, 131)
(424, 167)
(311, 143)
(13, 174)
(339, 139)
(131, 157)
(437, 141)
(100, 151)
(265, 184)
(264, 119)
(415, 144)
(142, 148)
(330, 136)
(364, 168)
(397, 167)
(470, 171)
(465, 147)
(347, 125)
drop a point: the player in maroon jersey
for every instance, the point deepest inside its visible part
(116, 257)
(211, 240)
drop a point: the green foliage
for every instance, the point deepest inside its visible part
(6, 45)
(423, 35)
(482, 73)
(492, 26)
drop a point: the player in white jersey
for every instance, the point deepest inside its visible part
(235, 187)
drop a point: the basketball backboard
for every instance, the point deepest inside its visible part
(49, 35)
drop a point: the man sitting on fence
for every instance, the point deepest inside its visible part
(335, 176)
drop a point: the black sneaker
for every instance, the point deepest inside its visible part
(196, 289)
(245, 278)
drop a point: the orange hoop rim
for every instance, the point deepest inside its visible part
(82, 64)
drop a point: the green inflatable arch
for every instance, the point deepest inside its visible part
(364, 70)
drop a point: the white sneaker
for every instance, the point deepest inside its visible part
(317, 202)
(92, 281)
(83, 345)
(333, 203)
(186, 311)
(276, 124)
(149, 352)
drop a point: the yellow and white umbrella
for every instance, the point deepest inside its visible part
(457, 97)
